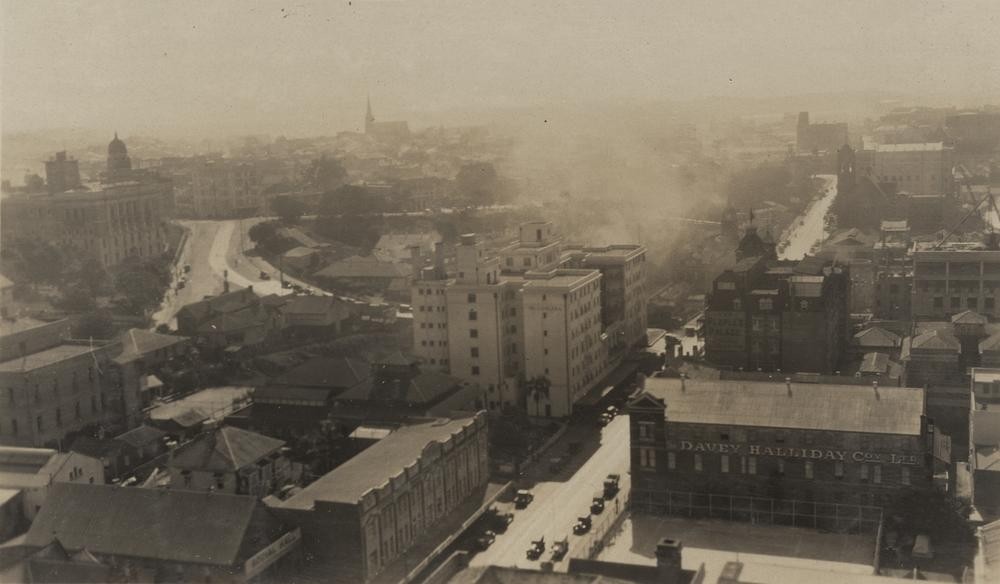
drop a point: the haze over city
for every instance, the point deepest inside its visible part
(465, 292)
(212, 68)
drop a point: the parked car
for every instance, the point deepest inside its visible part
(582, 526)
(537, 549)
(597, 506)
(497, 521)
(604, 419)
(486, 539)
(523, 498)
(611, 411)
(264, 275)
(611, 486)
(559, 549)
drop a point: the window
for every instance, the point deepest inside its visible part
(645, 430)
(473, 333)
(877, 474)
(647, 458)
(473, 315)
(838, 469)
(697, 463)
(475, 370)
(766, 304)
(545, 333)
(752, 465)
(671, 460)
(472, 298)
(724, 437)
(809, 469)
(38, 422)
(474, 352)
(724, 463)
(526, 262)
(187, 477)
(905, 475)
(781, 466)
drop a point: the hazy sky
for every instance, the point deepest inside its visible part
(305, 67)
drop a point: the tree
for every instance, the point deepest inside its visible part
(288, 209)
(78, 299)
(95, 325)
(141, 288)
(327, 174)
(92, 276)
(538, 388)
(349, 200)
(263, 233)
(40, 262)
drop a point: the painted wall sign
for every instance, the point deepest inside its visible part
(792, 452)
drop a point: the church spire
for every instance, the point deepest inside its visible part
(369, 118)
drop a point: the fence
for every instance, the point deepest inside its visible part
(839, 517)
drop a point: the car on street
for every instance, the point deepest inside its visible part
(536, 549)
(264, 275)
(611, 486)
(582, 525)
(485, 540)
(523, 498)
(597, 504)
(497, 521)
(187, 268)
(604, 419)
(559, 549)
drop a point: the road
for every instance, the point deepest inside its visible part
(810, 229)
(215, 253)
(558, 503)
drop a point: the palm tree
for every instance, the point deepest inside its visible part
(538, 387)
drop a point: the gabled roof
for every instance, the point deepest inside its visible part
(300, 252)
(990, 344)
(364, 267)
(224, 450)
(137, 343)
(877, 337)
(228, 302)
(969, 317)
(874, 363)
(810, 406)
(376, 465)
(313, 304)
(936, 340)
(160, 524)
(327, 372)
(141, 436)
(423, 388)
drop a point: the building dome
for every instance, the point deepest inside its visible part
(118, 161)
(117, 147)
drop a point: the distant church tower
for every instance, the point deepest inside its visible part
(369, 118)
(846, 173)
(118, 160)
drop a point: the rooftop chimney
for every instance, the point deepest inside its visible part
(668, 560)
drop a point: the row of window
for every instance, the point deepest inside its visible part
(14, 428)
(748, 465)
(971, 303)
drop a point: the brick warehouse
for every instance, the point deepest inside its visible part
(855, 446)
